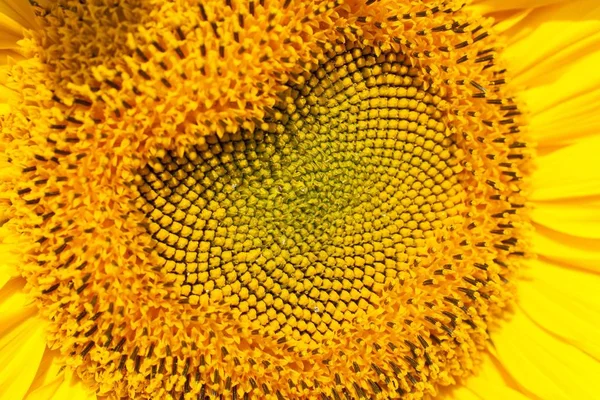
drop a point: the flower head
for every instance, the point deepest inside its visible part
(266, 199)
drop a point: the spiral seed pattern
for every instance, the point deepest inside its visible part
(299, 223)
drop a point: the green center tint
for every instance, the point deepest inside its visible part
(298, 223)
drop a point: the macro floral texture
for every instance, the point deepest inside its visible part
(287, 199)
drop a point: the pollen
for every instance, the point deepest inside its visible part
(267, 199)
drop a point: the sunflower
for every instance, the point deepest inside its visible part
(288, 199)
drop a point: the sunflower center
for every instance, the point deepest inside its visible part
(325, 219)
(300, 222)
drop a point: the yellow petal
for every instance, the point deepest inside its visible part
(549, 35)
(490, 383)
(73, 389)
(564, 301)
(569, 172)
(54, 383)
(10, 32)
(553, 53)
(21, 340)
(9, 57)
(6, 96)
(460, 393)
(15, 306)
(487, 6)
(15, 16)
(8, 263)
(575, 218)
(21, 351)
(543, 364)
(19, 11)
(566, 249)
(47, 391)
(6, 273)
(507, 19)
(48, 378)
(566, 109)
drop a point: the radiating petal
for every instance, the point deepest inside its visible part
(576, 218)
(569, 172)
(47, 391)
(57, 384)
(15, 306)
(10, 32)
(544, 364)
(54, 382)
(15, 16)
(21, 351)
(566, 249)
(6, 95)
(9, 57)
(20, 11)
(48, 378)
(564, 301)
(16, 312)
(553, 54)
(550, 38)
(488, 384)
(7, 272)
(4, 278)
(507, 19)
(22, 341)
(566, 109)
(489, 6)
(460, 393)
(8, 262)
(73, 388)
